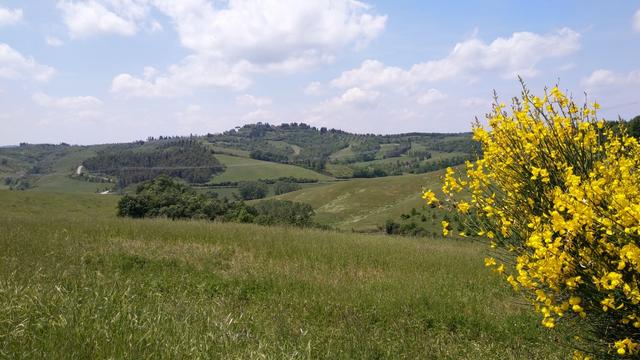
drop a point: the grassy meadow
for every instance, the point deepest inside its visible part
(78, 282)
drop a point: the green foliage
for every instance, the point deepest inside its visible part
(187, 159)
(283, 187)
(397, 151)
(317, 149)
(634, 127)
(272, 212)
(17, 183)
(168, 198)
(251, 190)
(165, 197)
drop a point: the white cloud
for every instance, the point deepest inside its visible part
(14, 65)
(67, 103)
(354, 98)
(314, 89)
(239, 39)
(272, 31)
(68, 108)
(53, 41)
(193, 117)
(250, 100)
(259, 115)
(154, 26)
(194, 72)
(430, 96)
(636, 21)
(516, 55)
(475, 102)
(10, 16)
(372, 74)
(92, 17)
(603, 77)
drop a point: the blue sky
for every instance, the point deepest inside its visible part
(96, 71)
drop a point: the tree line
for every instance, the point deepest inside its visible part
(166, 197)
(187, 159)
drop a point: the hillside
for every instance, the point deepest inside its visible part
(80, 283)
(48, 168)
(298, 152)
(242, 169)
(343, 154)
(365, 204)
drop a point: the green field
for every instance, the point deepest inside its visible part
(364, 204)
(76, 282)
(244, 169)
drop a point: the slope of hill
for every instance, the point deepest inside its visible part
(365, 204)
(252, 152)
(77, 283)
(47, 167)
(242, 169)
(345, 154)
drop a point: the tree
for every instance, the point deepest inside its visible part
(250, 190)
(556, 194)
(634, 127)
(283, 187)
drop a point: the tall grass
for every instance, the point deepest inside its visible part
(76, 282)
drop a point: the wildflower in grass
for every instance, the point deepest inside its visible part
(430, 197)
(556, 194)
(445, 228)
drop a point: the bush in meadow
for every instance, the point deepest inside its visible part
(557, 196)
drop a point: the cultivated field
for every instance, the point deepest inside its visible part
(77, 282)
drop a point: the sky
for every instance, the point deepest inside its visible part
(103, 71)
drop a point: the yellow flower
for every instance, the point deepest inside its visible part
(464, 206)
(445, 228)
(557, 189)
(430, 197)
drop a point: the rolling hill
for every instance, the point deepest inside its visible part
(242, 169)
(365, 204)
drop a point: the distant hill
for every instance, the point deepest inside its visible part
(251, 152)
(345, 155)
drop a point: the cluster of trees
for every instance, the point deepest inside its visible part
(283, 187)
(421, 168)
(187, 159)
(398, 151)
(273, 156)
(252, 190)
(289, 179)
(634, 127)
(412, 166)
(166, 197)
(17, 183)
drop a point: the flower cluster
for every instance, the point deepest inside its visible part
(558, 191)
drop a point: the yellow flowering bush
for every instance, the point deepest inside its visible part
(557, 194)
